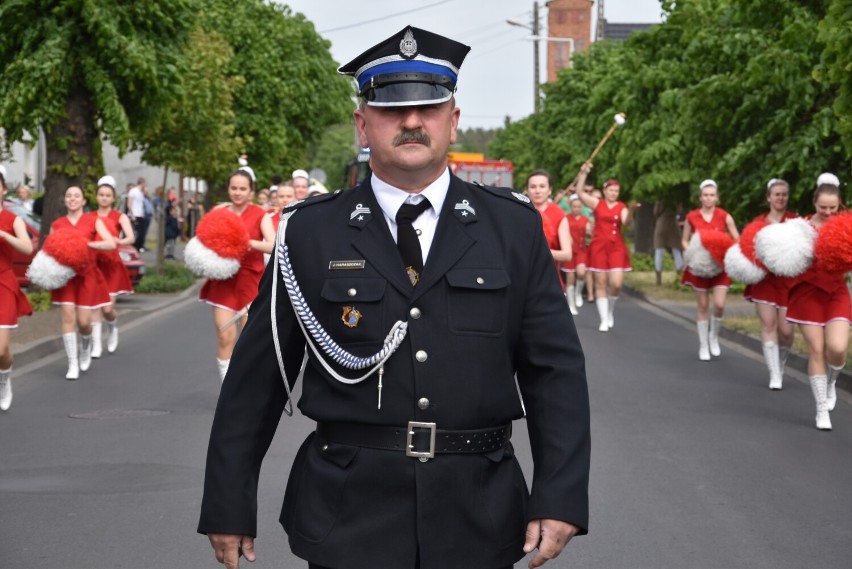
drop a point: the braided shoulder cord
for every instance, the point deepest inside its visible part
(313, 330)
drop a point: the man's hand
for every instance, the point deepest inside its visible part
(550, 537)
(229, 547)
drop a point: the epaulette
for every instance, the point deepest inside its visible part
(319, 198)
(507, 193)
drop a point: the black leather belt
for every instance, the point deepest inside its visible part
(418, 440)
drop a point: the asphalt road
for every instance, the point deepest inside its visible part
(694, 465)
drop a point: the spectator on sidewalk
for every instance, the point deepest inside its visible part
(136, 212)
(301, 184)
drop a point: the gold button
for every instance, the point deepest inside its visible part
(423, 403)
(351, 292)
(480, 280)
(421, 356)
(415, 313)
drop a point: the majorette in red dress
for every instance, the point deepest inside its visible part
(13, 301)
(579, 250)
(239, 291)
(607, 250)
(109, 262)
(87, 289)
(717, 223)
(772, 289)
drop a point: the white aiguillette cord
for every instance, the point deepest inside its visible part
(314, 332)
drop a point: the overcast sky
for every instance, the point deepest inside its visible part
(496, 79)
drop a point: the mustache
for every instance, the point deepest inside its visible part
(412, 136)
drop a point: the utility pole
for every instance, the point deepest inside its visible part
(536, 96)
(599, 28)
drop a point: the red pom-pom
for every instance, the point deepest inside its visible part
(223, 232)
(833, 248)
(68, 247)
(717, 244)
(747, 240)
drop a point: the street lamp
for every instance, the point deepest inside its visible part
(534, 30)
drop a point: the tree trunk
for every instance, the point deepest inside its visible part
(643, 229)
(160, 212)
(70, 145)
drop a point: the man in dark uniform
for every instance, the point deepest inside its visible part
(410, 465)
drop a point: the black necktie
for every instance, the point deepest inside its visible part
(406, 238)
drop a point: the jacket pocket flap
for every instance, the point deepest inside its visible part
(482, 279)
(353, 290)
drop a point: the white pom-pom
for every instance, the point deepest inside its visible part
(787, 249)
(740, 268)
(45, 272)
(207, 263)
(699, 260)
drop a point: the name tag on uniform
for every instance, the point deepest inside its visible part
(356, 264)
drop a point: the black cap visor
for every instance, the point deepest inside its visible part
(407, 94)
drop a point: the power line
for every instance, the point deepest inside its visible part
(384, 17)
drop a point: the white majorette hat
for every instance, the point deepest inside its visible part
(828, 179)
(300, 174)
(707, 182)
(3, 172)
(107, 181)
(772, 182)
(247, 170)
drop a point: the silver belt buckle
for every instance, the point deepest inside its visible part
(409, 445)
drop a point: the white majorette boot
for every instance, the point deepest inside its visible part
(715, 324)
(578, 300)
(569, 294)
(5, 389)
(831, 391)
(819, 387)
(603, 312)
(70, 341)
(112, 335)
(773, 362)
(223, 368)
(97, 345)
(85, 352)
(703, 345)
(610, 313)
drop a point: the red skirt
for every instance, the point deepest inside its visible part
(703, 283)
(811, 304)
(115, 275)
(86, 290)
(773, 290)
(13, 301)
(609, 255)
(234, 293)
(578, 258)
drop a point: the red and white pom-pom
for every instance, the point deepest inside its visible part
(65, 253)
(220, 243)
(740, 268)
(746, 241)
(833, 249)
(787, 249)
(698, 259)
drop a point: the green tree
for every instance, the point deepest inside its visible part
(836, 34)
(82, 70)
(332, 152)
(291, 90)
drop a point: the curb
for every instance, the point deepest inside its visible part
(45, 347)
(795, 360)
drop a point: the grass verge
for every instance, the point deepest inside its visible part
(175, 278)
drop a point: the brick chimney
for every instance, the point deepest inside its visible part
(567, 19)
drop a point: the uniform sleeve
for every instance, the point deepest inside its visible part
(250, 405)
(552, 379)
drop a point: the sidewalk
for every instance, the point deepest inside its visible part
(735, 306)
(39, 335)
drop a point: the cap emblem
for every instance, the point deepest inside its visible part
(408, 45)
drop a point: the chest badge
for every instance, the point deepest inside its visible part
(351, 316)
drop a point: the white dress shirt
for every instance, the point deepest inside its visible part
(390, 199)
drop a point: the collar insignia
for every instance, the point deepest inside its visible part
(464, 212)
(408, 45)
(360, 216)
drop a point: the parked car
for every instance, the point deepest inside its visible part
(20, 263)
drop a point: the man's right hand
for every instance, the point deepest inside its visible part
(229, 548)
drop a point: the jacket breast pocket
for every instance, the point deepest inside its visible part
(476, 300)
(352, 310)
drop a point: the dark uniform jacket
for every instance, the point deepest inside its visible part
(489, 310)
